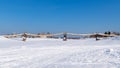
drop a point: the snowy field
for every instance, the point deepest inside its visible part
(55, 53)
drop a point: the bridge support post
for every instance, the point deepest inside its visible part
(96, 37)
(24, 37)
(65, 37)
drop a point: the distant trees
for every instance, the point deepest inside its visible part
(108, 32)
(48, 32)
(43, 33)
(38, 33)
(116, 33)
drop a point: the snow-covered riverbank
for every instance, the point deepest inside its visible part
(55, 53)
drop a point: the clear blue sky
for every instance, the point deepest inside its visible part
(79, 16)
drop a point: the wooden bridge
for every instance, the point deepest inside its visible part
(58, 34)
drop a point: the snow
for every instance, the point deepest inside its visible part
(55, 53)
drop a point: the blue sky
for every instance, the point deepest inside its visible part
(78, 16)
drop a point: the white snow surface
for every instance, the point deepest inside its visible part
(55, 53)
